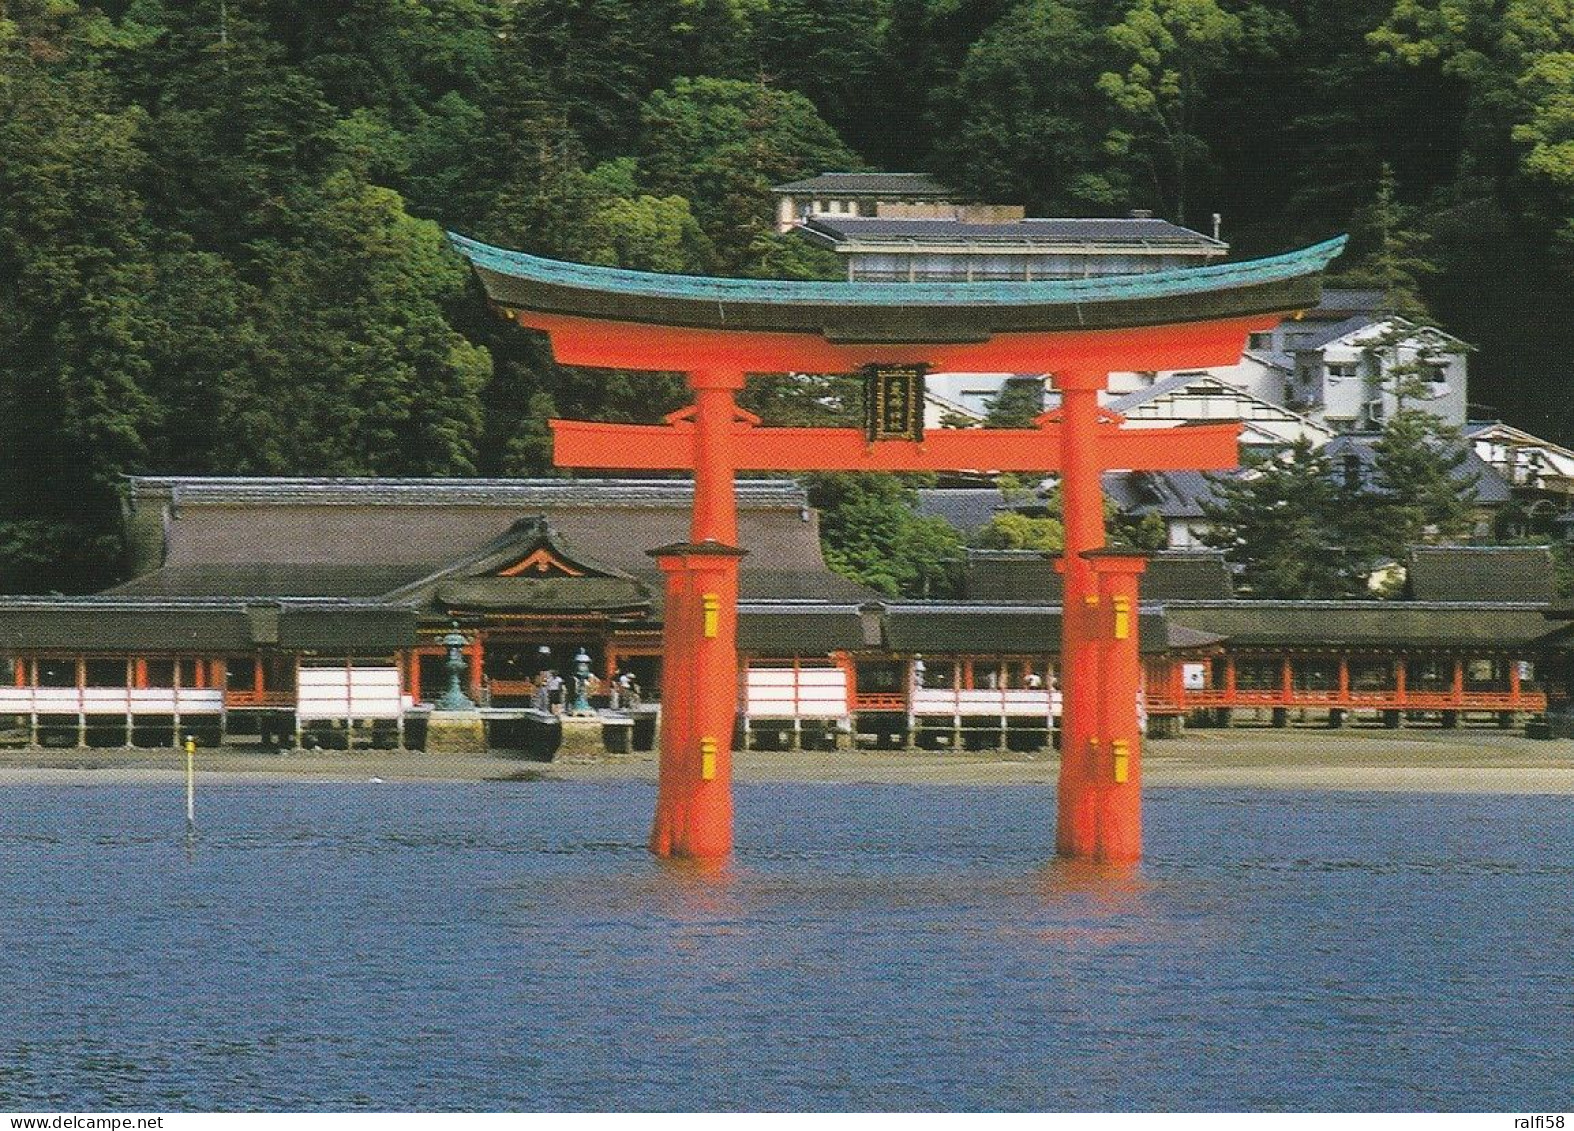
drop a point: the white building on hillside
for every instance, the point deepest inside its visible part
(1359, 380)
(1345, 366)
(1200, 396)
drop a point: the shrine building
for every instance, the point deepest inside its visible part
(309, 611)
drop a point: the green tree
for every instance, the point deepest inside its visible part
(364, 374)
(1391, 252)
(1173, 48)
(1016, 124)
(872, 533)
(1019, 403)
(722, 144)
(827, 50)
(597, 61)
(1420, 492)
(786, 256)
(1011, 530)
(1284, 525)
(76, 266)
(805, 400)
(647, 233)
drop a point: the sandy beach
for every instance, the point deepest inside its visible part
(1481, 761)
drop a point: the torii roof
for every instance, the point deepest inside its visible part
(842, 312)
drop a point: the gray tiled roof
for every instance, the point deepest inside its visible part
(1168, 494)
(1128, 401)
(1025, 575)
(998, 629)
(522, 493)
(1352, 300)
(362, 537)
(871, 184)
(965, 509)
(273, 579)
(1031, 230)
(1490, 486)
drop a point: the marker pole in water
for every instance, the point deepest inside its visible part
(191, 784)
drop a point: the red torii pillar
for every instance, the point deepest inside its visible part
(1099, 815)
(700, 640)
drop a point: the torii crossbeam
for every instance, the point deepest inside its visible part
(717, 331)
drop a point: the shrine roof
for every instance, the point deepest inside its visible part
(1027, 575)
(1498, 573)
(431, 542)
(367, 491)
(961, 628)
(847, 312)
(786, 629)
(1381, 625)
(164, 624)
(273, 579)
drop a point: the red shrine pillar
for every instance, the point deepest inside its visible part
(700, 642)
(1082, 504)
(1113, 791)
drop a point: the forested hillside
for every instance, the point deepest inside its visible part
(221, 220)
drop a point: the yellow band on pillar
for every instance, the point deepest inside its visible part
(707, 759)
(1122, 617)
(1122, 751)
(712, 606)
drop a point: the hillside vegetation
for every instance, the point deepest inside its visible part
(221, 221)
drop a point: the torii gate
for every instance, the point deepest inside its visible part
(717, 331)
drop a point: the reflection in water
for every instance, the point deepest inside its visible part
(1113, 886)
(496, 947)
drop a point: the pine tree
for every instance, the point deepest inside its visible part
(1285, 526)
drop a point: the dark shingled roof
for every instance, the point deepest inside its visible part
(347, 630)
(1481, 573)
(965, 628)
(102, 624)
(477, 581)
(544, 594)
(274, 579)
(1379, 625)
(517, 494)
(871, 184)
(965, 509)
(1031, 230)
(1355, 453)
(366, 537)
(806, 630)
(1026, 575)
(1169, 494)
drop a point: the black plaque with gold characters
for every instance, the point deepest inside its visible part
(894, 402)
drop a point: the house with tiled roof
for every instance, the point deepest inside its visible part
(971, 247)
(856, 194)
(1192, 397)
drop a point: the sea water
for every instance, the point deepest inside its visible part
(513, 946)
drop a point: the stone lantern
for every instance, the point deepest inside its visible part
(582, 682)
(454, 699)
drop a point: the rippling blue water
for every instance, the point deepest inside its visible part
(508, 946)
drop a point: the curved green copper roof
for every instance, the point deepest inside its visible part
(901, 311)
